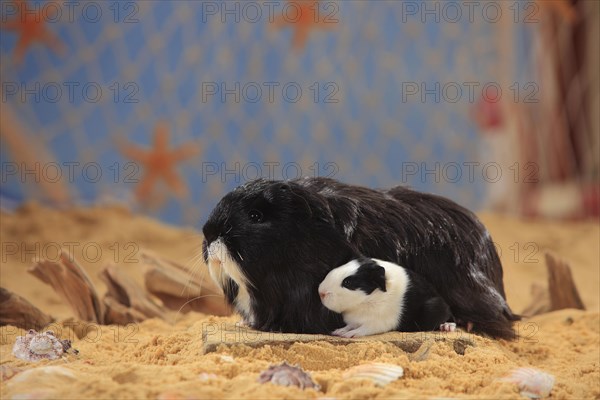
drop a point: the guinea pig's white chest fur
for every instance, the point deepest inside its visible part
(365, 313)
(222, 266)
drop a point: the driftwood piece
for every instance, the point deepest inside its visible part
(71, 283)
(216, 335)
(130, 295)
(117, 313)
(180, 290)
(561, 292)
(16, 311)
(540, 302)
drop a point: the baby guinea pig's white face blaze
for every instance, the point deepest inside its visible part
(336, 297)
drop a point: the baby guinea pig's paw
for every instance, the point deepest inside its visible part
(352, 331)
(448, 327)
(342, 331)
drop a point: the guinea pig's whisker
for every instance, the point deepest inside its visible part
(194, 299)
(195, 262)
(195, 255)
(241, 258)
(192, 274)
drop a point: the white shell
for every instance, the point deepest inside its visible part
(36, 346)
(532, 383)
(380, 373)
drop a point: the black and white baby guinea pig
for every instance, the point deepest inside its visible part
(376, 296)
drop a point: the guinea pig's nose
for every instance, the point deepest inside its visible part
(322, 295)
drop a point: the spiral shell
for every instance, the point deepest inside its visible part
(36, 346)
(532, 383)
(380, 373)
(288, 375)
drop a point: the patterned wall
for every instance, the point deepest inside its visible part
(166, 105)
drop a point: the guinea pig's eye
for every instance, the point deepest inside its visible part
(346, 283)
(255, 216)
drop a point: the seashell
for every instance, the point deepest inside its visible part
(36, 346)
(204, 376)
(35, 395)
(532, 383)
(288, 375)
(227, 359)
(49, 373)
(379, 373)
(8, 371)
(170, 396)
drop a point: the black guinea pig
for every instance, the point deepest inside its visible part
(269, 244)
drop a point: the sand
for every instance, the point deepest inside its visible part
(160, 361)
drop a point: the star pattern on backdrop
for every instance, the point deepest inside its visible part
(160, 163)
(31, 26)
(303, 17)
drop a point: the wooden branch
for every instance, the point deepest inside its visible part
(16, 311)
(561, 292)
(179, 289)
(71, 283)
(128, 293)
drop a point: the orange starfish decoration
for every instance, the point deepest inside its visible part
(304, 16)
(160, 163)
(30, 23)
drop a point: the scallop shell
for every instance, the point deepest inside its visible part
(380, 373)
(8, 371)
(288, 375)
(42, 375)
(532, 383)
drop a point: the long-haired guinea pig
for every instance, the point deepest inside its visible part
(376, 296)
(269, 244)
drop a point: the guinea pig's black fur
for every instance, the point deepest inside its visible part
(424, 309)
(287, 235)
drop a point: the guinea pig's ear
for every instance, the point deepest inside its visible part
(295, 197)
(380, 278)
(276, 190)
(376, 274)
